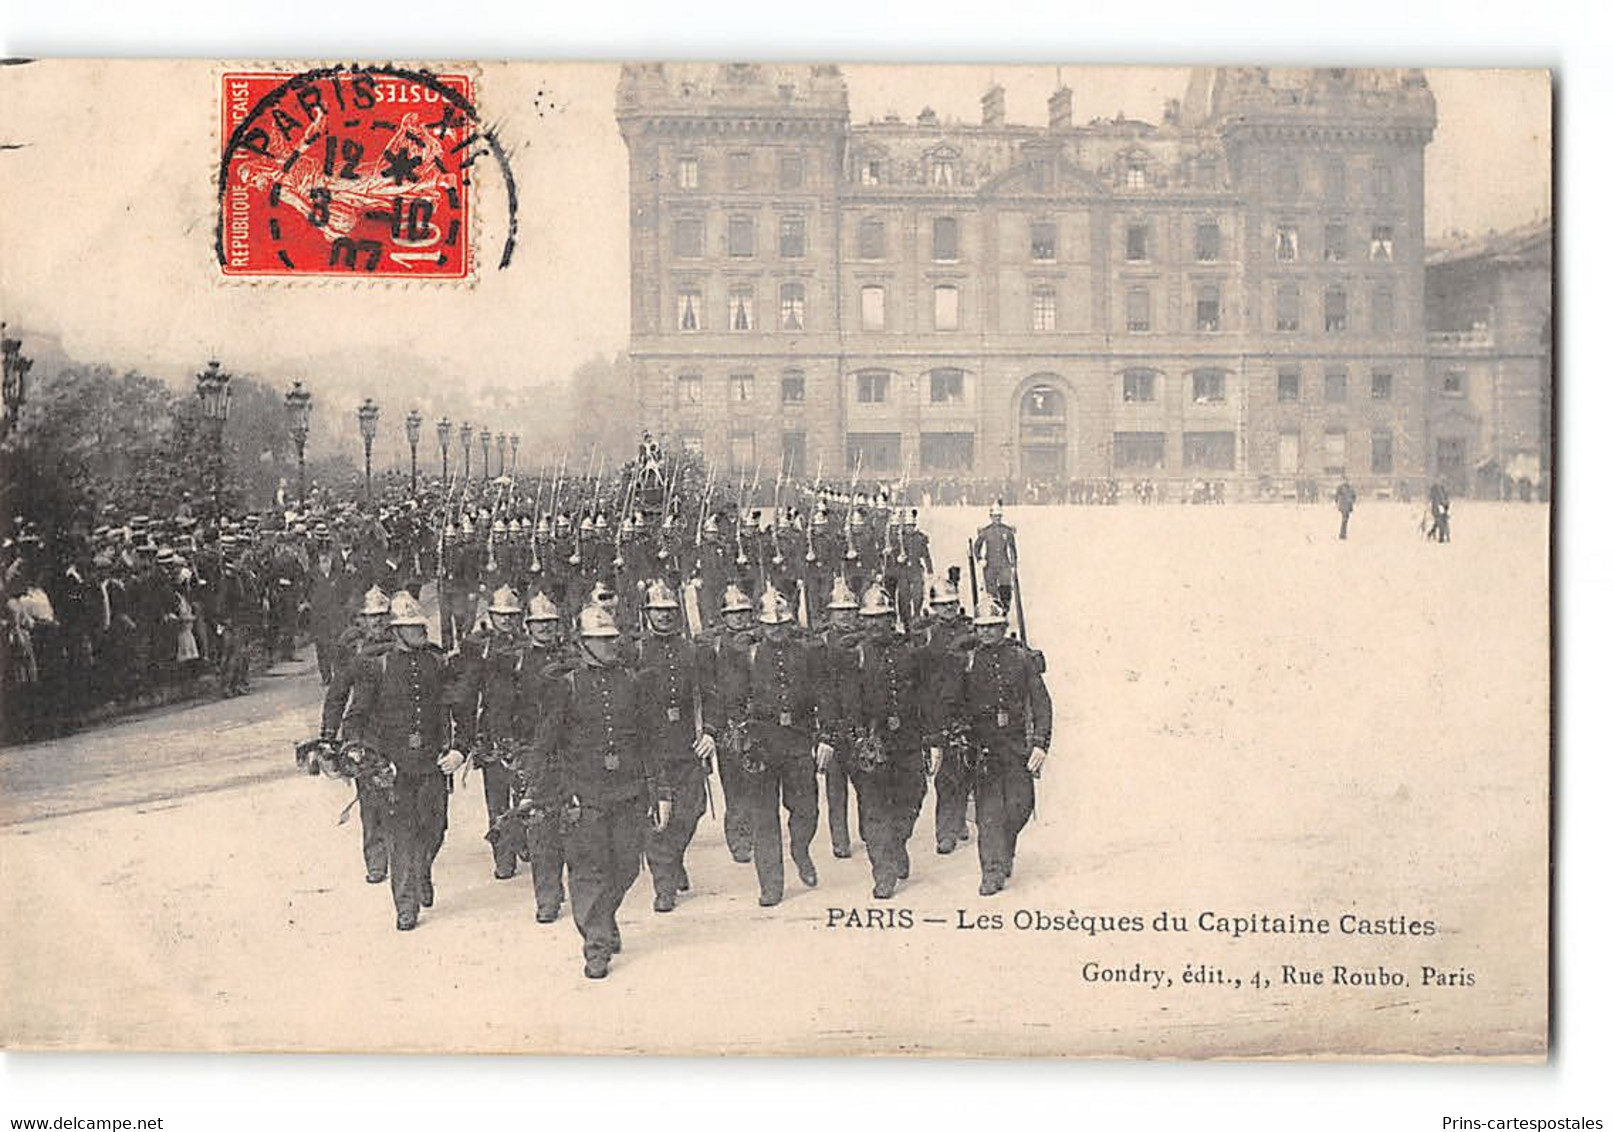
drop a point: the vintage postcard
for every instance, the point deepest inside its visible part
(776, 559)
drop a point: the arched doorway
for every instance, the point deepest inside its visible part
(1044, 438)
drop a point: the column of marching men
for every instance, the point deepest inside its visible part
(615, 681)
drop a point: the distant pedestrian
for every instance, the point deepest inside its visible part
(1439, 507)
(1344, 500)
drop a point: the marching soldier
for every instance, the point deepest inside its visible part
(365, 640)
(541, 802)
(729, 644)
(595, 729)
(782, 691)
(400, 711)
(1012, 724)
(490, 666)
(681, 737)
(842, 678)
(995, 547)
(887, 714)
(915, 567)
(942, 640)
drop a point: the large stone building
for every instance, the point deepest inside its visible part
(1235, 293)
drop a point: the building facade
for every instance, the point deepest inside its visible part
(1235, 293)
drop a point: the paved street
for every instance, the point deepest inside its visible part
(1251, 717)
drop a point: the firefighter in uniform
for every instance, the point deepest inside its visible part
(728, 646)
(842, 676)
(541, 801)
(942, 639)
(490, 664)
(887, 715)
(681, 739)
(595, 727)
(1012, 724)
(995, 547)
(366, 640)
(401, 712)
(782, 691)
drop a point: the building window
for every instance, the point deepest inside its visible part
(1138, 309)
(1136, 176)
(874, 451)
(1036, 171)
(1136, 242)
(741, 307)
(741, 451)
(1210, 451)
(1209, 387)
(868, 174)
(871, 238)
(1044, 241)
(1044, 309)
(1336, 387)
(791, 237)
(1335, 180)
(739, 170)
(1207, 242)
(1287, 180)
(873, 386)
(1382, 181)
(790, 174)
(1383, 453)
(792, 306)
(689, 308)
(1286, 309)
(873, 308)
(688, 172)
(941, 171)
(1335, 310)
(1140, 451)
(1288, 453)
(741, 236)
(1208, 308)
(690, 389)
(693, 443)
(1287, 247)
(1288, 384)
(947, 451)
(944, 238)
(792, 452)
(1137, 386)
(742, 388)
(1383, 311)
(1383, 242)
(946, 307)
(946, 387)
(1383, 385)
(1334, 445)
(1455, 383)
(792, 388)
(688, 237)
(1333, 243)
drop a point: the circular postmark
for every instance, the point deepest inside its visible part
(352, 170)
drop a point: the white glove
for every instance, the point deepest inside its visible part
(823, 753)
(1038, 757)
(705, 746)
(450, 761)
(663, 813)
(932, 761)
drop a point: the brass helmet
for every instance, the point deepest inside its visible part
(877, 603)
(660, 596)
(540, 608)
(841, 597)
(375, 602)
(602, 594)
(407, 611)
(943, 592)
(858, 518)
(991, 612)
(710, 527)
(996, 509)
(775, 608)
(504, 601)
(735, 600)
(912, 518)
(596, 621)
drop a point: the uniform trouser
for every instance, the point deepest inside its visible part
(372, 823)
(234, 661)
(501, 790)
(602, 850)
(951, 799)
(888, 804)
(736, 825)
(545, 843)
(792, 779)
(415, 823)
(325, 653)
(1005, 795)
(666, 848)
(837, 794)
(1344, 524)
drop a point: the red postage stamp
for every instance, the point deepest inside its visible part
(347, 171)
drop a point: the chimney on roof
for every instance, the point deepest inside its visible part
(1060, 109)
(994, 106)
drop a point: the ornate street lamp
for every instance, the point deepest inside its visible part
(16, 375)
(213, 391)
(515, 447)
(503, 440)
(487, 453)
(369, 414)
(299, 408)
(464, 442)
(411, 426)
(445, 436)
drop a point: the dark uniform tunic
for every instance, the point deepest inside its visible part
(995, 546)
(726, 659)
(942, 655)
(889, 705)
(677, 686)
(539, 776)
(837, 716)
(484, 697)
(782, 692)
(1009, 712)
(349, 648)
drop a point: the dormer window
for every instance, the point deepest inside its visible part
(941, 173)
(1136, 176)
(869, 173)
